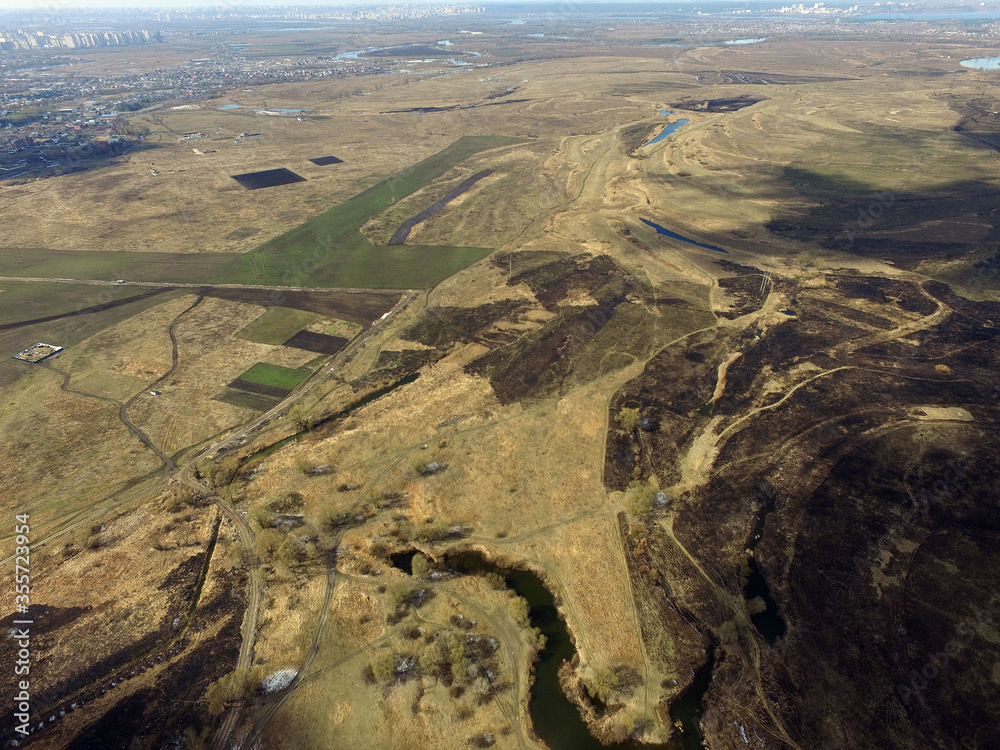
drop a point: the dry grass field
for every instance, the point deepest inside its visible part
(501, 411)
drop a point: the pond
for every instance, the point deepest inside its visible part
(230, 106)
(668, 130)
(981, 63)
(769, 623)
(556, 720)
(682, 238)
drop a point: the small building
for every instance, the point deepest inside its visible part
(38, 352)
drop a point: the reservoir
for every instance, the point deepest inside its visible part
(682, 238)
(672, 127)
(981, 63)
(556, 720)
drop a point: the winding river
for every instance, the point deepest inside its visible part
(556, 720)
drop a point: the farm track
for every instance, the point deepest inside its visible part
(183, 475)
(168, 462)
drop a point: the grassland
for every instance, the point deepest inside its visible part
(274, 376)
(589, 309)
(277, 325)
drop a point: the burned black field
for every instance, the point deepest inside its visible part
(325, 161)
(267, 178)
(321, 343)
(854, 467)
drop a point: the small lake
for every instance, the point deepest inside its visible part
(682, 238)
(668, 130)
(665, 112)
(230, 106)
(769, 623)
(981, 63)
(283, 110)
(556, 720)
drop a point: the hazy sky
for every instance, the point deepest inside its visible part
(43, 5)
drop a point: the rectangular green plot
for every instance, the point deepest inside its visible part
(277, 325)
(275, 375)
(254, 401)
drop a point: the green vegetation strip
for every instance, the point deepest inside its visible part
(330, 249)
(275, 375)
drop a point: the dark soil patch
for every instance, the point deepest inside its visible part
(553, 282)
(321, 343)
(352, 306)
(392, 366)
(148, 717)
(904, 294)
(255, 401)
(537, 364)
(267, 178)
(451, 107)
(259, 388)
(718, 105)
(184, 576)
(441, 326)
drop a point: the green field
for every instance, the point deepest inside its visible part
(328, 250)
(275, 376)
(277, 325)
(105, 265)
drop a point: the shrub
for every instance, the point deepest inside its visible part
(628, 419)
(640, 499)
(238, 685)
(383, 667)
(420, 566)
